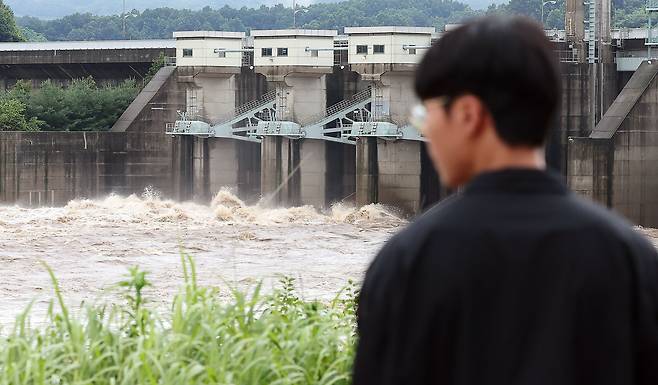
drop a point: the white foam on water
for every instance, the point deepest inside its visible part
(91, 243)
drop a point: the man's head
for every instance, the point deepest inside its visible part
(491, 89)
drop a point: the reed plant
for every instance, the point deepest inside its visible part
(252, 339)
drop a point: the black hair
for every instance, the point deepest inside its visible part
(509, 64)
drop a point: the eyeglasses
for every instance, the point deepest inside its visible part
(418, 115)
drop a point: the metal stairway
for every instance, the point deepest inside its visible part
(344, 114)
(349, 119)
(343, 109)
(250, 114)
(251, 110)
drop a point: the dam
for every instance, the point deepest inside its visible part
(317, 117)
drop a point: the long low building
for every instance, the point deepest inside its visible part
(62, 61)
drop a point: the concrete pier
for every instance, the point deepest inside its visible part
(279, 158)
(294, 170)
(389, 171)
(396, 173)
(226, 163)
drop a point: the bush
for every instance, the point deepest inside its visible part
(256, 339)
(12, 117)
(82, 106)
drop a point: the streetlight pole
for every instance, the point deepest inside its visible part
(295, 11)
(123, 18)
(543, 3)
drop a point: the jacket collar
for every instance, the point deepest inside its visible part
(516, 181)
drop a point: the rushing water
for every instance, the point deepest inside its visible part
(90, 244)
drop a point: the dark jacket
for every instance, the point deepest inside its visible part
(514, 281)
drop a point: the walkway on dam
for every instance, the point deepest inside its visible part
(625, 101)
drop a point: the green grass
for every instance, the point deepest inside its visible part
(252, 339)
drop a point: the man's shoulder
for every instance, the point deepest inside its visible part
(596, 216)
(447, 214)
(460, 227)
(462, 216)
(599, 218)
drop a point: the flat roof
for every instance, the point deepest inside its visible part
(88, 45)
(213, 34)
(629, 33)
(389, 29)
(293, 32)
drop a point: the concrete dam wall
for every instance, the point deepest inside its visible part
(617, 163)
(51, 168)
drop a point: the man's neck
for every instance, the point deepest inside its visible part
(511, 158)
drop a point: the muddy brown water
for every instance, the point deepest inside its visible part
(90, 244)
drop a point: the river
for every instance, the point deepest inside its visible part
(90, 244)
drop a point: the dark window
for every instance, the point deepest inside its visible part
(412, 51)
(187, 52)
(220, 52)
(282, 52)
(314, 53)
(266, 52)
(362, 49)
(378, 48)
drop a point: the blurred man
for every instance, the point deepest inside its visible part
(515, 280)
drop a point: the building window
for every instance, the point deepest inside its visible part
(362, 49)
(187, 52)
(282, 52)
(412, 51)
(265, 52)
(220, 52)
(314, 53)
(378, 48)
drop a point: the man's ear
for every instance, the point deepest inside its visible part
(470, 112)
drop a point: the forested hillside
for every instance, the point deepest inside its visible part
(161, 22)
(8, 29)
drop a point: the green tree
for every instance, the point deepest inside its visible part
(31, 35)
(81, 106)
(157, 64)
(8, 29)
(161, 22)
(553, 12)
(555, 18)
(12, 117)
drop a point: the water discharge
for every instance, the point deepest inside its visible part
(90, 243)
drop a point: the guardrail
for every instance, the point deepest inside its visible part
(568, 56)
(342, 105)
(652, 38)
(170, 61)
(268, 97)
(263, 100)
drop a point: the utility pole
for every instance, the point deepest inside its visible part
(123, 19)
(294, 14)
(543, 4)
